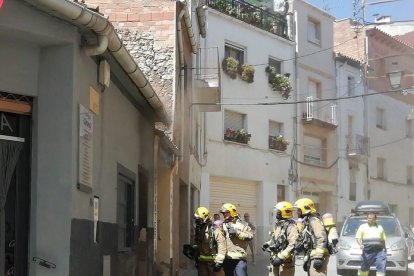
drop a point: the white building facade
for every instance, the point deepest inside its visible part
(315, 160)
(250, 172)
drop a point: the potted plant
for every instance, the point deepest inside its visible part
(230, 66)
(278, 142)
(247, 73)
(242, 136)
(279, 82)
(239, 136)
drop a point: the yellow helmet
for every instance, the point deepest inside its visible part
(201, 214)
(230, 208)
(328, 219)
(285, 209)
(306, 205)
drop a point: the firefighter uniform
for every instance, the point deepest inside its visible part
(283, 241)
(372, 237)
(237, 235)
(313, 225)
(211, 245)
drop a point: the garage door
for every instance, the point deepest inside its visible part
(241, 193)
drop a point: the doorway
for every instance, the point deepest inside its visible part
(14, 192)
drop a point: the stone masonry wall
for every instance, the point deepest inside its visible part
(147, 29)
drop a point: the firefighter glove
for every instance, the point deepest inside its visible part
(217, 267)
(317, 263)
(276, 261)
(265, 246)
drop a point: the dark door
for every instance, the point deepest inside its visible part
(15, 192)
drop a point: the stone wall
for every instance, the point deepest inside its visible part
(147, 28)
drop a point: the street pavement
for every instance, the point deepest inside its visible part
(262, 261)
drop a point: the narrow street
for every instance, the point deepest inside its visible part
(262, 261)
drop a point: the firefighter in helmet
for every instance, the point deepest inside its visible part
(237, 233)
(210, 244)
(314, 237)
(282, 242)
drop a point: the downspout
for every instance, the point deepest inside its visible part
(188, 25)
(182, 79)
(107, 39)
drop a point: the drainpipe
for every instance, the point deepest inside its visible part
(107, 39)
(188, 25)
(182, 79)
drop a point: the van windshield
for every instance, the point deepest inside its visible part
(390, 225)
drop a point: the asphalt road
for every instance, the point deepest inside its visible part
(262, 261)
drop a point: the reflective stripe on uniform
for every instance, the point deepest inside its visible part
(363, 273)
(237, 255)
(204, 258)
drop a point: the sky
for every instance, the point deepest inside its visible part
(400, 10)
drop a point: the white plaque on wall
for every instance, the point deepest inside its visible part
(85, 146)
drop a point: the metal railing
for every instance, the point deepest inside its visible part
(357, 144)
(323, 111)
(208, 65)
(253, 15)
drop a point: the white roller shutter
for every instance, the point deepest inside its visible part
(241, 193)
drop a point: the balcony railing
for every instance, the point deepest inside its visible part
(322, 111)
(270, 22)
(208, 80)
(208, 65)
(357, 145)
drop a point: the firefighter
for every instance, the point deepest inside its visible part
(237, 233)
(282, 241)
(371, 238)
(211, 244)
(330, 227)
(313, 238)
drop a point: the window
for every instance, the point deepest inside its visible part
(275, 128)
(314, 89)
(352, 185)
(351, 86)
(380, 115)
(234, 52)
(410, 172)
(409, 131)
(277, 64)
(125, 208)
(350, 125)
(381, 168)
(234, 120)
(281, 193)
(314, 31)
(314, 151)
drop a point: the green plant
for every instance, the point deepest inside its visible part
(247, 73)
(278, 142)
(239, 135)
(279, 82)
(230, 66)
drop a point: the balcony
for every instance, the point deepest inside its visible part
(208, 80)
(271, 22)
(322, 114)
(357, 146)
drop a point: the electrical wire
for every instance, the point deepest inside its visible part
(289, 59)
(301, 101)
